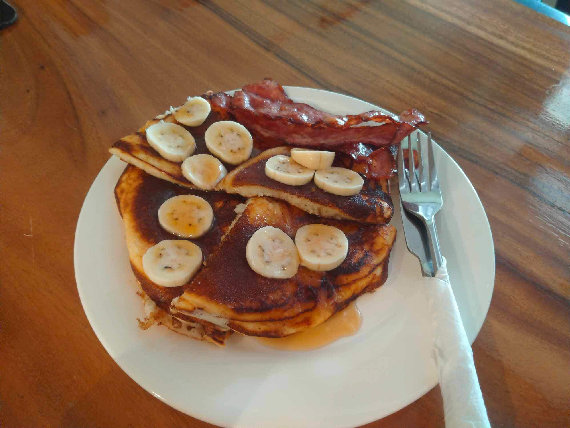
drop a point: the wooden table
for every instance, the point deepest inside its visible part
(492, 77)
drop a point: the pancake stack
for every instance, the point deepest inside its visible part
(226, 295)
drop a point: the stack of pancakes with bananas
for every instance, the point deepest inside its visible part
(224, 237)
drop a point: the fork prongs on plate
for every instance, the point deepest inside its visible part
(424, 179)
(421, 170)
(433, 180)
(414, 185)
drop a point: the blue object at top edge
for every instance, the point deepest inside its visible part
(546, 10)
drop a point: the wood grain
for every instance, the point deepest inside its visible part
(492, 77)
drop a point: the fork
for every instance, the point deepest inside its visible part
(420, 193)
(421, 196)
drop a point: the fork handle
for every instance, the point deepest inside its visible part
(462, 399)
(433, 244)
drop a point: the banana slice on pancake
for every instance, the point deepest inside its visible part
(173, 142)
(321, 247)
(272, 253)
(171, 263)
(285, 170)
(339, 181)
(204, 171)
(230, 141)
(313, 159)
(187, 216)
(194, 111)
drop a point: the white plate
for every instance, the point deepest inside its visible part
(355, 380)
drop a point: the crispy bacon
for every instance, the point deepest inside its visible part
(220, 103)
(374, 164)
(274, 119)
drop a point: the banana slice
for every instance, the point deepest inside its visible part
(187, 216)
(321, 247)
(285, 170)
(204, 171)
(339, 181)
(229, 141)
(271, 253)
(313, 159)
(172, 263)
(171, 141)
(194, 112)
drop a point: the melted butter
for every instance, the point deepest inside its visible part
(344, 323)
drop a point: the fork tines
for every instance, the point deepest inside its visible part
(417, 179)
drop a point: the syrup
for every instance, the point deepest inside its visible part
(344, 323)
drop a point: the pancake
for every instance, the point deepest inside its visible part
(371, 205)
(226, 295)
(324, 309)
(187, 326)
(233, 295)
(135, 149)
(138, 197)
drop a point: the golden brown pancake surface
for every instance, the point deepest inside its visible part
(228, 288)
(371, 205)
(135, 150)
(327, 305)
(139, 196)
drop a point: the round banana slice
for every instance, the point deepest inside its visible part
(172, 263)
(321, 247)
(187, 216)
(271, 253)
(194, 112)
(339, 181)
(229, 141)
(285, 170)
(204, 171)
(313, 159)
(171, 141)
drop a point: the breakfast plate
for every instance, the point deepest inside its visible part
(385, 366)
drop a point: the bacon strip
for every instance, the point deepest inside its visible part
(274, 119)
